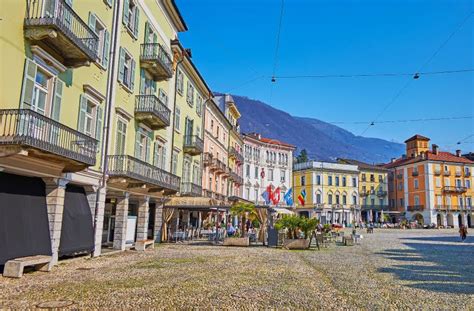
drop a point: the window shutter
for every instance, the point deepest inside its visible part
(58, 93)
(98, 123)
(105, 58)
(156, 155)
(92, 22)
(82, 113)
(147, 32)
(163, 157)
(109, 2)
(155, 38)
(121, 65)
(126, 8)
(137, 21)
(69, 2)
(137, 144)
(132, 74)
(28, 84)
(147, 149)
(142, 81)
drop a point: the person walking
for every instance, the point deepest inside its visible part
(463, 232)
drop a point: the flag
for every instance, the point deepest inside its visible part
(302, 197)
(270, 193)
(266, 197)
(276, 196)
(289, 197)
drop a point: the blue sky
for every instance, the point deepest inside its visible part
(233, 44)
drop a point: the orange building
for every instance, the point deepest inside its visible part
(432, 186)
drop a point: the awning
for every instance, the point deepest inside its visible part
(280, 210)
(195, 203)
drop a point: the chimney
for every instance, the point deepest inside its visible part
(458, 153)
(392, 160)
(435, 148)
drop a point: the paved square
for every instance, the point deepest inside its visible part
(421, 269)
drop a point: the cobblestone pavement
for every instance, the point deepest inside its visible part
(390, 269)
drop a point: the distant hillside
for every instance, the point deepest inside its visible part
(322, 140)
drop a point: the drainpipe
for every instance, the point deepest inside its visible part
(107, 112)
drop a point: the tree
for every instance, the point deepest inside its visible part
(302, 157)
(243, 211)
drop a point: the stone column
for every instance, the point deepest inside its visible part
(142, 222)
(121, 218)
(55, 192)
(92, 193)
(158, 222)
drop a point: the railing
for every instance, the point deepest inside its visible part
(375, 207)
(458, 173)
(415, 173)
(437, 171)
(219, 165)
(193, 141)
(458, 189)
(127, 166)
(236, 178)
(363, 193)
(189, 188)
(415, 208)
(207, 158)
(29, 128)
(446, 173)
(152, 104)
(381, 193)
(59, 14)
(238, 156)
(209, 193)
(467, 173)
(156, 52)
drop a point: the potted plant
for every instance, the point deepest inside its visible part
(243, 211)
(299, 231)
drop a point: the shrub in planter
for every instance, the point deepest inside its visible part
(296, 226)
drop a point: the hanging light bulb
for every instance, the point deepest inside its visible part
(372, 123)
(416, 76)
(273, 79)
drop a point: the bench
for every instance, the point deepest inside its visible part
(14, 267)
(143, 244)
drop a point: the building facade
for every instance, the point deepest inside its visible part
(267, 162)
(329, 191)
(373, 191)
(102, 115)
(432, 186)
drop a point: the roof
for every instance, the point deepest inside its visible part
(175, 15)
(363, 165)
(442, 156)
(417, 137)
(268, 140)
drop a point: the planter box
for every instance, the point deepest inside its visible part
(296, 244)
(237, 241)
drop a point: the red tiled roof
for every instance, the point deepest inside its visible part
(418, 137)
(275, 142)
(442, 156)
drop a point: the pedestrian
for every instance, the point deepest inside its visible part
(463, 232)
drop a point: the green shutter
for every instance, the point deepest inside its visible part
(92, 22)
(142, 81)
(147, 149)
(163, 158)
(82, 113)
(126, 8)
(121, 65)
(147, 32)
(105, 58)
(132, 74)
(137, 21)
(58, 92)
(156, 155)
(28, 84)
(98, 123)
(137, 144)
(109, 2)
(155, 38)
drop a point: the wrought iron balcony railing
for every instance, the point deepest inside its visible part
(458, 173)
(375, 207)
(150, 110)
(193, 144)
(446, 173)
(236, 178)
(381, 193)
(57, 25)
(190, 189)
(415, 208)
(30, 129)
(156, 60)
(130, 167)
(437, 171)
(415, 173)
(237, 155)
(218, 166)
(457, 189)
(207, 159)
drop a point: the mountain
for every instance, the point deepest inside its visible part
(323, 141)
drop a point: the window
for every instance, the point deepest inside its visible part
(329, 198)
(469, 201)
(247, 193)
(186, 169)
(121, 137)
(343, 181)
(458, 183)
(337, 199)
(416, 199)
(354, 200)
(303, 180)
(177, 119)
(159, 159)
(372, 202)
(330, 180)
(447, 182)
(199, 105)
(380, 178)
(344, 199)
(126, 69)
(354, 182)
(131, 16)
(174, 160)
(256, 195)
(438, 182)
(217, 135)
(372, 177)
(401, 202)
(142, 144)
(337, 180)
(148, 86)
(282, 176)
(270, 174)
(400, 186)
(104, 39)
(212, 126)
(256, 171)
(318, 180)
(90, 117)
(318, 198)
(364, 177)
(190, 94)
(415, 183)
(247, 170)
(180, 82)
(439, 200)
(467, 183)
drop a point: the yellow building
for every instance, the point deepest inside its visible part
(373, 191)
(87, 125)
(328, 191)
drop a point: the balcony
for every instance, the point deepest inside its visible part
(24, 130)
(218, 166)
(381, 193)
(375, 207)
(363, 193)
(55, 25)
(206, 159)
(415, 173)
(150, 110)
(399, 176)
(157, 61)
(139, 174)
(437, 171)
(457, 189)
(193, 145)
(415, 208)
(467, 173)
(446, 173)
(458, 173)
(233, 153)
(236, 178)
(209, 194)
(190, 189)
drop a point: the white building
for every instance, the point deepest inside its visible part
(266, 162)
